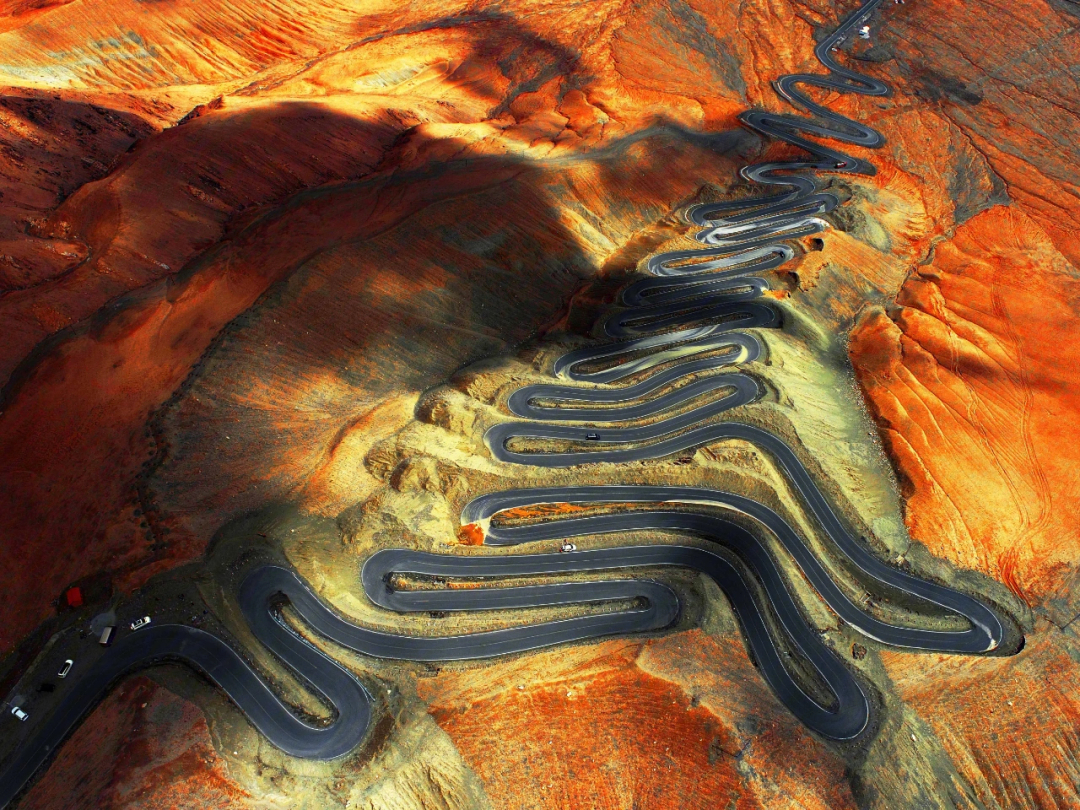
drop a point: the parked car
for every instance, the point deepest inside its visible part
(15, 710)
(569, 547)
(140, 623)
(65, 669)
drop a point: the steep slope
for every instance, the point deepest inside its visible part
(239, 242)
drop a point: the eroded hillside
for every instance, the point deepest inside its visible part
(271, 271)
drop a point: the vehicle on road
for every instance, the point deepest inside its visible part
(655, 605)
(15, 710)
(65, 669)
(140, 623)
(107, 636)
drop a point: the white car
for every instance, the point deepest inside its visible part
(15, 710)
(65, 669)
(139, 623)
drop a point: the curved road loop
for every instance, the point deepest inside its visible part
(691, 286)
(688, 321)
(654, 606)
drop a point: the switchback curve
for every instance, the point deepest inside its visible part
(709, 292)
(692, 305)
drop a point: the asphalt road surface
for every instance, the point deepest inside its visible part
(683, 321)
(667, 511)
(654, 607)
(220, 662)
(845, 718)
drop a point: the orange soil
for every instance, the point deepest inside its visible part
(975, 382)
(676, 723)
(242, 298)
(1008, 724)
(142, 748)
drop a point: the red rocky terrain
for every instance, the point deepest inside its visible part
(238, 241)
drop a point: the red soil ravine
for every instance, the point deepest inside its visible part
(974, 381)
(599, 727)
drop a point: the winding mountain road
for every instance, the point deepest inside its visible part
(684, 321)
(743, 241)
